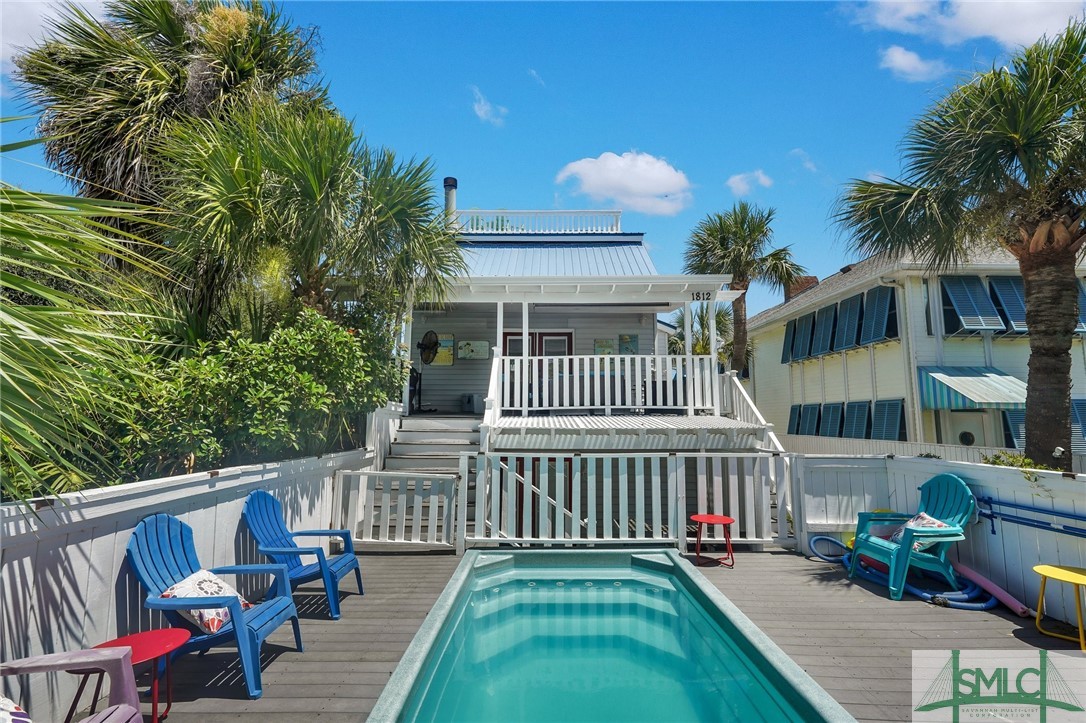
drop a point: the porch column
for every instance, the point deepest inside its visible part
(406, 398)
(501, 326)
(688, 325)
(711, 383)
(524, 344)
(499, 351)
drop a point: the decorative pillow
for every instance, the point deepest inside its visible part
(11, 713)
(205, 584)
(919, 521)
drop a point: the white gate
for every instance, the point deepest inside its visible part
(399, 507)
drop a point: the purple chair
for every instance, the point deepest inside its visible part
(124, 702)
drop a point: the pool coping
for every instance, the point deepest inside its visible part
(393, 698)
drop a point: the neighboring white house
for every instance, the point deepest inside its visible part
(887, 350)
(594, 373)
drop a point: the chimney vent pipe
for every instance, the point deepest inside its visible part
(450, 195)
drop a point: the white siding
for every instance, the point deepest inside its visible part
(442, 387)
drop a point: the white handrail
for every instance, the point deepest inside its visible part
(539, 222)
(609, 382)
(745, 411)
(492, 403)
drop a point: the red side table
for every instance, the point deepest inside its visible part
(146, 646)
(702, 520)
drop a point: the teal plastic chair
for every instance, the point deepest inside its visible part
(161, 553)
(946, 498)
(264, 516)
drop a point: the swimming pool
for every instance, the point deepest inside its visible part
(593, 635)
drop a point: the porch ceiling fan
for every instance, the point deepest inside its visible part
(427, 347)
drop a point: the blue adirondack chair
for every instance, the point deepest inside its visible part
(264, 515)
(946, 498)
(161, 553)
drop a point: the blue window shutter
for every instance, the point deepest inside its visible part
(1081, 328)
(971, 302)
(848, 323)
(808, 420)
(1014, 421)
(1078, 426)
(823, 330)
(831, 420)
(876, 314)
(888, 420)
(789, 333)
(856, 420)
(793, 419)
(1010, 292)
(801, 344)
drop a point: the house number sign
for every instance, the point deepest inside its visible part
(701, 295)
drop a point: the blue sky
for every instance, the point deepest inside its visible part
(669, 111)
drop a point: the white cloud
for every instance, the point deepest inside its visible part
(742, 183)
(954, 21)
(536, 77)
(635, 181)
(487, 111)
(23, 24)
(804, 159)
(907, 65)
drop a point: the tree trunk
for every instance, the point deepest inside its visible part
(739, 331)
(1051, 288)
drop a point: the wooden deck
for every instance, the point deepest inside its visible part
(853, 640)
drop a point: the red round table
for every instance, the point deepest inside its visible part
(146, 646)
(702, 520)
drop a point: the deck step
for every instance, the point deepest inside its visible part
(424, 423)
(439, 436)
(429, 447)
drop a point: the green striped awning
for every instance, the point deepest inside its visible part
(970, 388)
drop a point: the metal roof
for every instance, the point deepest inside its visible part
(549, 257)
(970, 388)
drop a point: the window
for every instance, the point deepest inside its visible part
(789, 334)
(927, 306)
(1010, 300)
(1081, 328)
(880, 317)
(857, 420)
(1078, 426)
(1014, 428)
(967, 306)
(848, 323)
(888, 420)
(793, 419)
(808, 419)
(831, 420)
(822, 341)
(801, 344)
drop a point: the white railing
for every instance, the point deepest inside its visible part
(492, 409)
(830, 492)
(380, 429)
(66, 584)
(539, 222)
(608, 383)
(544, 498)
(399, 507)
(742, 408)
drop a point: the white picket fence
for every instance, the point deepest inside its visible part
(608, 383)
(608, 498)
(829, 493)
(399, 507)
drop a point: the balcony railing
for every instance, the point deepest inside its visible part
(608, 383)
(539, 222)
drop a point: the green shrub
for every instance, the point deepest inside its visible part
(303, 392)
(1012, 459)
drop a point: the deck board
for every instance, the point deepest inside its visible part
(853, 640)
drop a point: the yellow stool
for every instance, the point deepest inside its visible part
(1076, 576)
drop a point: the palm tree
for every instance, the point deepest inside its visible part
(108, 89)
(1001, 160)
(737, 242)
(699, 328)
(59, 353)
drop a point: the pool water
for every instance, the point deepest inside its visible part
(555, 642)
